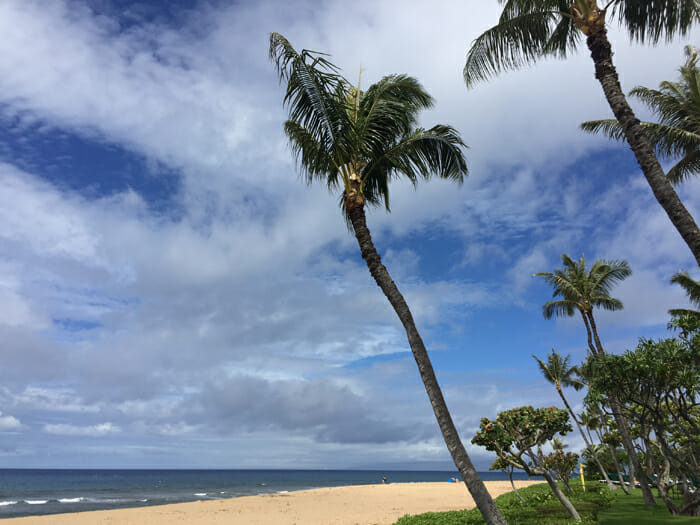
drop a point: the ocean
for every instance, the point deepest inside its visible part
(32, 492)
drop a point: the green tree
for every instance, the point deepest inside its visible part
(558, 372)
(517, 436)
(660, 383)
(532, 29)
(677, 108)
(504, 466)
(356, 142)
(583, 290)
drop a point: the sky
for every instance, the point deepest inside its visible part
(173, 295)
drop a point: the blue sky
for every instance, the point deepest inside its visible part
(173, 295)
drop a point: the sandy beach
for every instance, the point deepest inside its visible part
(355, 505)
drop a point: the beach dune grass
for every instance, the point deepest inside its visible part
(541, 508)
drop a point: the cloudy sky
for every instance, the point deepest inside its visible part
(173, 295)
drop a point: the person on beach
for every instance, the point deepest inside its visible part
(383, 480)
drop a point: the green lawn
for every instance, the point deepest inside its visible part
(596, 506)
(631, 509)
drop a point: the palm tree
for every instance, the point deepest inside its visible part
(581, 291)
(358, 141)
(558, 372)
(677, 106)
(692, 290)
(531, 29)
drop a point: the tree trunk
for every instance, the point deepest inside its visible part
(561, 496)
(635, 465)
(613, 454)
(605, 72)
(474, 484)
(512, 484)
(588, 333)
(611, 486)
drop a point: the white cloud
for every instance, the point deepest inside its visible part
(9, 423)
(101, 429)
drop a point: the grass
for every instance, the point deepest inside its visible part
(541, 508)
(596, 506)
(631, 509)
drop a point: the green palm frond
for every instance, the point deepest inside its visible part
(515, 42)
(337, 131)
(676, 105)
(559, 308)
(689, 285)
(652, 20)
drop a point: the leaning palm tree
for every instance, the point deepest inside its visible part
(531, 29)
(582, 290)
(692, 290)
(677, 107)
(357, 142)
(558, 372)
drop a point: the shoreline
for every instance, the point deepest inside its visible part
(345, 505)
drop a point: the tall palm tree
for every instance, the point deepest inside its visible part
(357, 142)
(692, 290)
(558, 372)
(581, 290)
(677, 107)
(531, 29)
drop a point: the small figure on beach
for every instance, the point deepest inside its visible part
(383, 480)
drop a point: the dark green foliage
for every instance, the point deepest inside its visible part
(562, 464)
(541, 508)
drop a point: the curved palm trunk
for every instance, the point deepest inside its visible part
(474, 484)
(610, 484)
(605, 72)
(613, 456)
(635, 465)
(588, 333)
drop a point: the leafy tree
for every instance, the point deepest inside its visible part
(660, 381)
(532, 29)
(517, 436)
(677, 107)
(558, 372)
(583, 290)
(563, 464)
(356, 142)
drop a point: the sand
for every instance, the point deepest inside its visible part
(355, 505)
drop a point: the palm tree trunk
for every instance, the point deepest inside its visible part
(601, 53)
(474, 484)
(611, 486)
(635, 465)
(588, 333)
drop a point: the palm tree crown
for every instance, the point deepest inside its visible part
(582, 289)
(692, 290)
(532, 29)
(557, 371)
(677, 106)
(360, 140)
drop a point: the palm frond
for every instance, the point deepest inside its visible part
(685, 168)
(651, 20)
(559, 309)
(515, 42)
(689, 285)
(609, 127)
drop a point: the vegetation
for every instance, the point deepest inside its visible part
(540, 508)
(677, 106)
(534, 29)
(517, 437)
(356, 142)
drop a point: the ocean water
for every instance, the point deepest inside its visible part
(31, 492)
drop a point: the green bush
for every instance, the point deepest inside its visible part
(541, 508)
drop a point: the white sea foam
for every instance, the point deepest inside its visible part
(36, 501)
(200, 493)
(6, 503)
(282, 491)
(70, 500)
